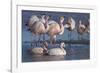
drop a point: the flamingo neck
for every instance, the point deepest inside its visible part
(62, 48)
(46, 25)
(62, 30)
(61, 26)
(44, 48)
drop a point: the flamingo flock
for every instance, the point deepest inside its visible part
(44, 25)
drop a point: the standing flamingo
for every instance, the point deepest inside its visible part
(70, 26)
(55, 29)
(37, 26)
(83, 28)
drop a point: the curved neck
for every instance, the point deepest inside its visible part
(62, 47)
(61, 26)
(44, 47)
(46, 24)
(62, 29)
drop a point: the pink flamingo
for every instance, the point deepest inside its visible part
(55, 29)
(38, 26)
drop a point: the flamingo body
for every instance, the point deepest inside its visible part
(38, 28)
(55, 29)
(37, 51)
(57, 51)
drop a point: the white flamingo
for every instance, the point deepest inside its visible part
(70, 26)
(58, 51)
(39, 50)
(55, 29)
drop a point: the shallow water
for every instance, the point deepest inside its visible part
(74, 52)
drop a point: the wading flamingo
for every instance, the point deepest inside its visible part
(37, 26)
(83, 29)
(55, 29)
(70, 26)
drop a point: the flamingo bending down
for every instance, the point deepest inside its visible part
(32, 20)
(39, 50)
(57, 51)
(55, 29)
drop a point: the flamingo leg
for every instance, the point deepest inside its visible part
(69, 38)
(81, 37)
(51, 40)
(44, 37)
(39, 39)
(78, 36)
(32, 43)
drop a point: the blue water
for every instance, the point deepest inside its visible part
(26, 14)
(74, 52)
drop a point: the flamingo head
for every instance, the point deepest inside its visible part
(61, 19)
(68, 23)
(62, 45)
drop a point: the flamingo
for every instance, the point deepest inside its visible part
(55, 29)
(39, 50)
(58, 51)
(70, 25)
(37, 26)
(83, 28)
(88, 27)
